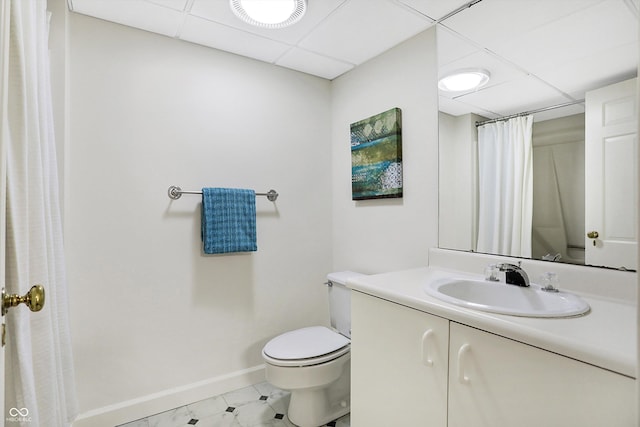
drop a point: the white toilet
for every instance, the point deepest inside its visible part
(314, 363)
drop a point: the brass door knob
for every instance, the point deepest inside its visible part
(34, 299)
(592, 234)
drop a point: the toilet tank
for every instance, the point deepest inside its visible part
(340, 301)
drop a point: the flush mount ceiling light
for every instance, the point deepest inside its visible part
(269, 13)
(463, 80)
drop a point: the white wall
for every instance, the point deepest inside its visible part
(373, 236)
(154, 322)
(150, 314)
(458, 168)
(559, 188)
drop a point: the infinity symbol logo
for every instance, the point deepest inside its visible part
(14, 412)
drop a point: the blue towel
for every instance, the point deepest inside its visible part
(228, 220)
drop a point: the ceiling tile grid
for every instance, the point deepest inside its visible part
(219, 36)
(313, 63)
(566, 48)
(559, 48)
(363, 29)
(585, 35)
(144, 15)
(218, 11)
(434, 9)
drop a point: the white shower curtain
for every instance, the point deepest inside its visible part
(38, 353)
(505, 199)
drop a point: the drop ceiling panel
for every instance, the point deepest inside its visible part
(458, 108)
(515, 96)
(312, 63)
(207, 33)
(592, 71)
(494, 24)
(566, 46)
(139, 14)
(501, 72)
(220, 12)
(361, 31)
(452, 47)
(587, 33)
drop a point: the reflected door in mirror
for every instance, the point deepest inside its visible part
(611, 176)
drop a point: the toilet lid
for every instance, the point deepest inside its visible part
(305, 343)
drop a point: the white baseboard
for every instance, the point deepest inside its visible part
(135, 409)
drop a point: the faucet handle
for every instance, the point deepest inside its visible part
(549, 282)
(491, 273)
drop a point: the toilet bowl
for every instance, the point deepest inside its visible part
(313, 363)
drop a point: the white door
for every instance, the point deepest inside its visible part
(4, 54)
(610, 176)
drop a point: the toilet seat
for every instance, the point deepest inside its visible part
(306, 347)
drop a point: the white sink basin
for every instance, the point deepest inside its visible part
(499, 297)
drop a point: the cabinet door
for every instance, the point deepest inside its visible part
(498, 382)
(398, 365)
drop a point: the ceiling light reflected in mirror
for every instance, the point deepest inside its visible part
(464, 80)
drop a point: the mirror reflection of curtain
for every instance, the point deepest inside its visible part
(505, 183)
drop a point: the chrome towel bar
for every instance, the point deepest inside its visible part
(176, 192)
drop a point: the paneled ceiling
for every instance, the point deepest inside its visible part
(539, 52)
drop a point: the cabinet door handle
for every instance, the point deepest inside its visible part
(426, 360)
(462, 352)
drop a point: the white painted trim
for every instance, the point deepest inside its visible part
(155, 403)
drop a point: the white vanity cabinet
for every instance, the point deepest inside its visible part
(399, 359)
(410, 368)
(495, 381)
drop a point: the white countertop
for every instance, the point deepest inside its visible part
(605, 337)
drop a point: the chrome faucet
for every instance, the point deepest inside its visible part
(514, 274)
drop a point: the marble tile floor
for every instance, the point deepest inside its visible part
(259, 405)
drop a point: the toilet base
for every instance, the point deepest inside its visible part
(316, 407)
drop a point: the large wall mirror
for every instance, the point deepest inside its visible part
(562, 84)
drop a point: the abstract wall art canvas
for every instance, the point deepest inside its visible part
(376, 156)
